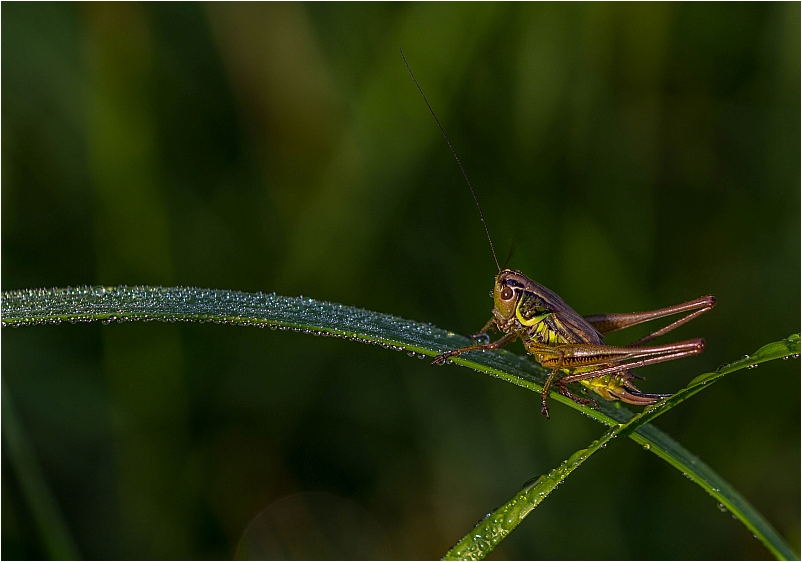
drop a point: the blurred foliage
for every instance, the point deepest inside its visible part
(639, 155)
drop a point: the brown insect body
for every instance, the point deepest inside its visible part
(546, 323)
(572, 346)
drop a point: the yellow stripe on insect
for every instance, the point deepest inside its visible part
(529, 321)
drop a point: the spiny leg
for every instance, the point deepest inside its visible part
(441, 359)
(654, 355)
(610, 358)
(675, 324)
(607, 323)
(544, 395)
(482, 336)
(565, 391)
(562, 389)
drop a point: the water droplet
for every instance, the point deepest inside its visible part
(722, 508)
(647, 446)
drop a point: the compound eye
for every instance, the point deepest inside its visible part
(507, 293)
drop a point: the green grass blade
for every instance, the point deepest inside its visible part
(667, 449)
(107, 304)
(477, 544)
(491, 530)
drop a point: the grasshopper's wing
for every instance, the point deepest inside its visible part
(576, 329)
(566, 321)
(560, 319)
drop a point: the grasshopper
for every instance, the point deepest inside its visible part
(570, 345)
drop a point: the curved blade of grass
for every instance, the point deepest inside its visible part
(491, 530)
(107, 304)
(486, 535)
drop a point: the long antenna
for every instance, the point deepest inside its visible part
(454, 152)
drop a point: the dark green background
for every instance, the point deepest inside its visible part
(638, 156)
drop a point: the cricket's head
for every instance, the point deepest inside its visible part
(511, 287)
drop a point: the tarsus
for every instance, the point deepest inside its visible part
(454, 152)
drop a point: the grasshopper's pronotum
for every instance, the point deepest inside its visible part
(572, 346)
